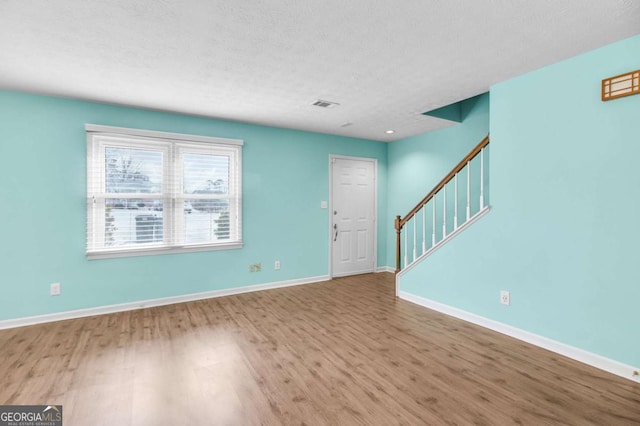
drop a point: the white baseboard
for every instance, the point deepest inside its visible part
(109, 309)
(385, 269)
(589, 358)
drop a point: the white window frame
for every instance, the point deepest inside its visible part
(173, 146)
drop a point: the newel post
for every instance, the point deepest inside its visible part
(398, 229)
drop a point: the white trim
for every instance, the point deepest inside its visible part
(385, 269)
(442, 242)
(97, 128)
(112, 254)
(130, 306)
(350, 273)
(589, 358)
(333, 157)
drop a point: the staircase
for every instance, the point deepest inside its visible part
(457, 201)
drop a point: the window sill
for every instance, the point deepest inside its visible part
(151, 251)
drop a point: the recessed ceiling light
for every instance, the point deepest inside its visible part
(390, 132)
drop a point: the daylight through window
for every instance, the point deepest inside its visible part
(155, 192)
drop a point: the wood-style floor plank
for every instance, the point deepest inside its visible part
(341, 352)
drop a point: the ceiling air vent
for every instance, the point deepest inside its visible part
(325, 104)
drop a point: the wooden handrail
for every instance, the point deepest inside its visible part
(401, 221)
(475, 151)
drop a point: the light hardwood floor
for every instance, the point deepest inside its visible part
(336, 353)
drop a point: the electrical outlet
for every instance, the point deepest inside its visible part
(505, 297)
(55, 289)
(276, 265)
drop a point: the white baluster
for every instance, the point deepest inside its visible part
(468, 190)
(406, 255)
(444, 212)
(433, 227)
(455, 204)
(414, 240)
(482, 179)
(424, 228)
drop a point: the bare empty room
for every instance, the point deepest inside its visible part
(319, 213)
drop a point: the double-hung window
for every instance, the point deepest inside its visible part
(154, 192)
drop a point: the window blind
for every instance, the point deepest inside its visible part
(152, 192)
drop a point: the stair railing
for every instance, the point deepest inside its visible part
(420, 222)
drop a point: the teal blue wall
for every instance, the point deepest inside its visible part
(42, 219)
(418, 163)
(562, 236)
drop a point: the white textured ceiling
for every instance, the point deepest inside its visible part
(265, 62)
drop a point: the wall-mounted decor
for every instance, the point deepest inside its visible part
(621, 85)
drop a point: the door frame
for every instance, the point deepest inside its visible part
(333, 157)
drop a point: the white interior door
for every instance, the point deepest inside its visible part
(353, 216)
